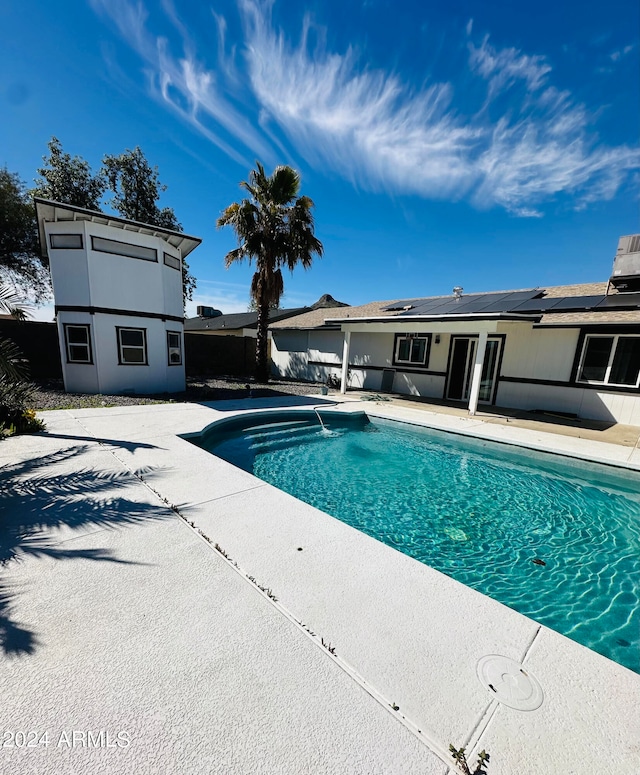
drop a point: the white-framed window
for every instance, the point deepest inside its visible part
(66, 241)
(174, 348)
(172, 261)
(77, 339)
(118, 248)
(610, 359)
(132, 346)
(412, 349)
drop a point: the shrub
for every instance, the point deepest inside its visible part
(15, 414)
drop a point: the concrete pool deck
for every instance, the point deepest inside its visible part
(175, 661)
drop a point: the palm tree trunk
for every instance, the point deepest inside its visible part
(262, 361)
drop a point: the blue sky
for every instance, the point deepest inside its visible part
(484, 144)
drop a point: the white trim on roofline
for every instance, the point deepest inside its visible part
(452, 316)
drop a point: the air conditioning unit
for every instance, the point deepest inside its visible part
(208, 312)
(625, 277)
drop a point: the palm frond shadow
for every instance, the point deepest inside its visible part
(132, 446)
(14, 639)
(36, 501)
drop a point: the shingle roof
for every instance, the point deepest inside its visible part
(377, 309)
(316, 318)
(237, 320)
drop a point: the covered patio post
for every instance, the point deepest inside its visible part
(345, 361)
(477, 372)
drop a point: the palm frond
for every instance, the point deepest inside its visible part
(234, 256)
(12, 364)
(11, 303)
(285, 184)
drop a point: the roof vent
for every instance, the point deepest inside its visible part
(625, 277)
(457, 291)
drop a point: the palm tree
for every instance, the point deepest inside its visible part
(11, 367)
(274, 227)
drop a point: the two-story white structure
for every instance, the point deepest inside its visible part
(117, 288)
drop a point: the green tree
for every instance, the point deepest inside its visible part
(275, 228)
(21, 263)
(68, 179)
(136, 189)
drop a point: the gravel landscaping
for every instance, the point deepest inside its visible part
(51, 394)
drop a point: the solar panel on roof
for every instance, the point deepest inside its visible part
(470, 304)
(620, 301)
(451, 306)
(425, 306)
(487, 300)
(536, 305)
(519, 302)
(474, 303)
(401, 304)
(577, 303)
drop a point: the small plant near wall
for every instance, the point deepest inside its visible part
(460, 759)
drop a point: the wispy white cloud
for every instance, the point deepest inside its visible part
(183, 83)
(364, 124)
(615, 56)
(529, 143)
(503, 68)
(379, 133)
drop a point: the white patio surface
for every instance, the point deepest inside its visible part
(118, 618)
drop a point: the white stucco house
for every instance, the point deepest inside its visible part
(117, 288)
(571, 349)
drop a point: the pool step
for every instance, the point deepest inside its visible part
(274, 432)
(261, 439)
(270, 442)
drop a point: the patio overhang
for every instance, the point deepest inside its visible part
(480, 325)
(436, 324)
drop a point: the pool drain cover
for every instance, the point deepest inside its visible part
(509, 683)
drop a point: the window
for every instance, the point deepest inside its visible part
(132, 346)
(412, 349)
(610, 360)
(68, 241)
(123, 249)
(174, 348)
(78, 343)
(172, 261)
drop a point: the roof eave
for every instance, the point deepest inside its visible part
(427, 318)
(49, 210)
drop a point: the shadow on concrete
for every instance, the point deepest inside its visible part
(132, 446)
(34, 501)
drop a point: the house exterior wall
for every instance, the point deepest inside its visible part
(539, 354)
(290, 355)
(536, 370)
(315, 355)
(110, 291)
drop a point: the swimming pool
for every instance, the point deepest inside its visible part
(556, 539)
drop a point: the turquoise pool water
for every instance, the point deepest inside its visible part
(558, 541)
